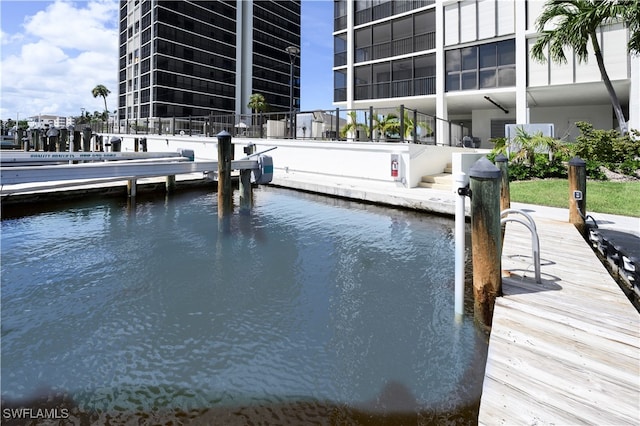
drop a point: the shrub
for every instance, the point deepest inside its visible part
(594, 171)
(608, 148)
(519, 171)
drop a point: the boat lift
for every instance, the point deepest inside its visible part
(18, 169)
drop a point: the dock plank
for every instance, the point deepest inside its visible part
(566, 351)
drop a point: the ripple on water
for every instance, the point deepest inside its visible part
(306, 299)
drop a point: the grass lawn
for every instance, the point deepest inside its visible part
(621, 198)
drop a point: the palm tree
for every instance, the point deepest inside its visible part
(576, 22)
(530, 144)
(410, 127)
(100, 90)
(386, 125)
(257, 103)
(632, 20)
(352, 125)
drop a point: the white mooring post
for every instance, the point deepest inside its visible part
(461, 183)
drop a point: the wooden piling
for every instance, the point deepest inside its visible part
(486, 241)
(170, 184)
(246, 196)
(86, 139)
(578, 193)
(225, 191)
(77, 139)
(132, 189)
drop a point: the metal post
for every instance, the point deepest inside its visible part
(415, 126)
(402, 123)
(486, 244)
(293, 51)
(460, 218)
(71, 134)
(370, 124)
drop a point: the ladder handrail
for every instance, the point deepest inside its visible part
(535, 242)
(522, 212)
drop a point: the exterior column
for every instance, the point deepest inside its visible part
(350, 54)
(442, 126)
(522, 109)
(634, 93)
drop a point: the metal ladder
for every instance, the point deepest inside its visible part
(531, 225)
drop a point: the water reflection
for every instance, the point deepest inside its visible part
(307, 305)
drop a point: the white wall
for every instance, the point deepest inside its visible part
(481, 119)
(361, 160)
(564, 118)
(472, 20)
(613, 43)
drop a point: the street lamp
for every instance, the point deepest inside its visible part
(293, 51)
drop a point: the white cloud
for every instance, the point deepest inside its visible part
(68, 49)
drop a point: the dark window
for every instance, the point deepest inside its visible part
(403, 27)
(339, 86)
(381, 41)
(488, 56)
(381, 79)
(424, 82)
(402, 78)
(487, 65)
(469, 58)
(363, 44)
(340, 50)
(506, 52)
(363, 82)
(452, 59)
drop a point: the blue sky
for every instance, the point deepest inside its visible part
(54, 52)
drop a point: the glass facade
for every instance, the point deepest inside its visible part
(379, 34)
(409, 34)
(481, 67)
(276, 25)
(413, 76)
(178, 58)
(373, 10)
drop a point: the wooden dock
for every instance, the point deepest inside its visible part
(566, 351)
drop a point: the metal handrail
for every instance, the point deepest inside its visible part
(535, 242)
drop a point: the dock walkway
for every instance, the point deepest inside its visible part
(566, 351)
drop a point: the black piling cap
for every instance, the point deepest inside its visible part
(577, 161)
(223, 134)
(484, 169)
(501, 158)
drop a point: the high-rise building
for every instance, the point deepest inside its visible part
(196, 58)
(469, 62)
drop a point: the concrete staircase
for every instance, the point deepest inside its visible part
(442, 181)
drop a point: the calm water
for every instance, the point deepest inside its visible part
(314, 308)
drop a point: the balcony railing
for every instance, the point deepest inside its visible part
(367, 125)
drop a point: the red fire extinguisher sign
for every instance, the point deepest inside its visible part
(394, 168)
